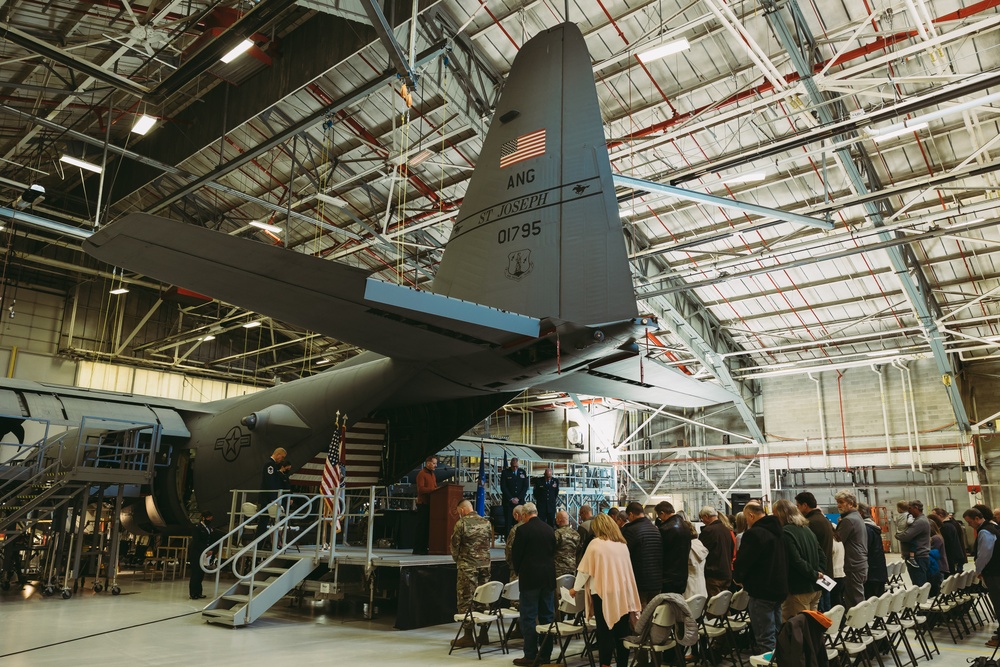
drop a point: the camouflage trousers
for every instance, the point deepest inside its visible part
(469, 578)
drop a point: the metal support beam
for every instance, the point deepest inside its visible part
(904, 262)
(310, 120)
(388, 38)
(723, 202)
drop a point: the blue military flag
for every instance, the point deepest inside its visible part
(481, 490)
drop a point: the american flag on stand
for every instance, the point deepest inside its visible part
(523, 148)
(333, 469)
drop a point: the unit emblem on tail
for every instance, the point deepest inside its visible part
(519, 264)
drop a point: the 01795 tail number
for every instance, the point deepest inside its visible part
(521, 231)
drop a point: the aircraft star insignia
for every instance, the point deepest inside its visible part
(232, 443)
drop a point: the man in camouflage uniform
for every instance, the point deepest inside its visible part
(509, 542)
(470, 549)
(567, 541)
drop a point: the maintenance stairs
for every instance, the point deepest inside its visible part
(43, 477)
(264, 577)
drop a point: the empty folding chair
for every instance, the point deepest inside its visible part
(486, 596)
(921, 625)
(894, 626)
(854, 640)
(878, 629)
(715, 626)
(511, 593)
(562, 631)
(832, 635)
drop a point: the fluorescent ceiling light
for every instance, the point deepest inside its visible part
(882, 135)
(334, 201)
(322, 361)
(208, 337)
(747, 177)
(82, 164)
(664, 50)
(420, 157)
(251, 325)
(882, 353)
(119, 290)
(263, 225)
(143, 124)
(237, 51)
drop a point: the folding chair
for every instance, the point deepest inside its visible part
(854, 640)
(562, 631)
(486, 596)
(892, 623)
(664, 619)
(832, 635)
(877, 629)
(511, 593)
(715, 625)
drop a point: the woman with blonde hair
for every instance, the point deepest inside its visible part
(605, 575)
(806, 560)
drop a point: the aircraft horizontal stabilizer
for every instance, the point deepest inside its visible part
(337, 300)
(651, 382)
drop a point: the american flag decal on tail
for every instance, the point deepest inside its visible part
(361, 455)
(523, 148)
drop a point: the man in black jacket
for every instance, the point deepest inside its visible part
(823, 530)
(761, 566)
(200, 540)
(646, 550)
(951, 533)
(720, 542)
(533, 556)
(675, 538)
(878, 573)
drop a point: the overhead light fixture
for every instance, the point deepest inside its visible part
(263, 225)
(251, 325)
(664, 50)
(143, 124)
(420, 157)
(333, 201)
(207, 338)
(237, 51)
(82, 164)
(322, 361)
(888, 133)
(747, 177)
(119, 290)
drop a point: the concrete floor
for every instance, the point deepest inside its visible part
(153, 623)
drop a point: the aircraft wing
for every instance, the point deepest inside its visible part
(651, 382)
(340, 301)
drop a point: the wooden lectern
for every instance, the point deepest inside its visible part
(444, 503)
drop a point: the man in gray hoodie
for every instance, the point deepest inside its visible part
(854, 536)
(918, 535)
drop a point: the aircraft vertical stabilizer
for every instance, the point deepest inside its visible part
(539, 232)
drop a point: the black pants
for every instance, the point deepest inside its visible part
(874, 589)
(508, 517)
(422, 533)
(609, 640)
(197, 576)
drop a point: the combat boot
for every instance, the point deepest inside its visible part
(465, 641)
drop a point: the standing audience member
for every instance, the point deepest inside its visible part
(646, 551)
(426, 483)
(952, 534)
(676, 541)
(533, 555)
(804, 557)
(513, 489)
(586, 518)
(903, 521)
(918, 536)
(740, 527)
(546, 497)
(721, 545)
(508, 546)
(696, 565)
(938, 554)
(986, 557)
(823, 530)
(200, 541)
(470, 549)
(605, 578)
(878, 573)
(837, 594)
(854, 537)
(567, 543)
(762, 569)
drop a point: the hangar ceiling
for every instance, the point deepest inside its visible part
(880, 117)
